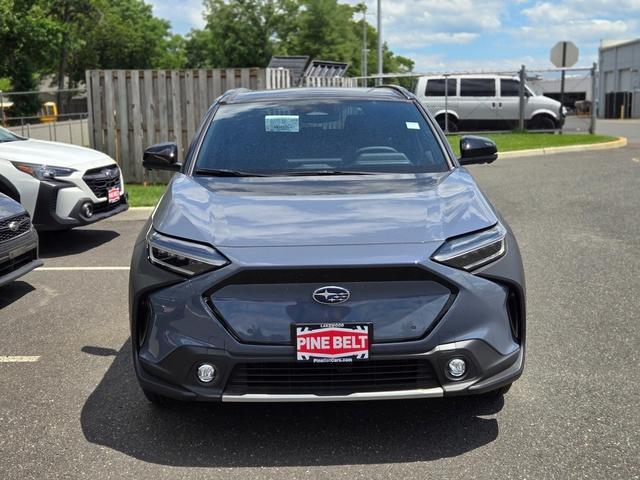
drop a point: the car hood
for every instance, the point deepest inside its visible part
(9, 207)
(53, 154)
(299, 211)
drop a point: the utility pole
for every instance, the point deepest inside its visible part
(379, 79)
(364, 44)
(594, 96)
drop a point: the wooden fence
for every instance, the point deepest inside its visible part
(132, 109)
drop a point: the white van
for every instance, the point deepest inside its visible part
(477, 102)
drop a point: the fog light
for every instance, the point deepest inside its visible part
(206, 373)
(457, 367)
(87, 210)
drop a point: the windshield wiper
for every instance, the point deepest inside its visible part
(325, 172)
(223, 172)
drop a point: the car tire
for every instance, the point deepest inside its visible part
(542, 122)
(452, 123)
(158, 400)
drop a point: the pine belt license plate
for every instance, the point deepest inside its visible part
(114, 195)
(332, 342)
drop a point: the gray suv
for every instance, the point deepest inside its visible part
(18, 241)
(324, 245)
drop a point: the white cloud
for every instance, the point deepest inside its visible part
(183, 15)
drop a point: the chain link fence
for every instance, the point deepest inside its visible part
(60, 115)
(507, 100)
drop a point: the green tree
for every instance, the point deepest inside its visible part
(124, 34)
(28, 37)
(324, 30)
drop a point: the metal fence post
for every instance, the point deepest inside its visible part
(446, 104)
(521, 103)
(594, 95)
(2, 120)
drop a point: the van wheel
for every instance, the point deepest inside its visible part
(453, 124)
(542, 122)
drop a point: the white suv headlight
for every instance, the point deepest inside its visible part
(183, 257)
(474, 250)
(43, 172)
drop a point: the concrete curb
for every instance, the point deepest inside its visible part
(141, 209)
(620, 142)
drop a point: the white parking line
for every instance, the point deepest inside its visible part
(19, 359)
(80, 269)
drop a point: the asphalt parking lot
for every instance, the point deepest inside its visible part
(72, 408)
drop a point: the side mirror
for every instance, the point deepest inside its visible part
(474, 150)
(162, 156)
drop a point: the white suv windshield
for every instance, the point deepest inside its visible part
(7, 136)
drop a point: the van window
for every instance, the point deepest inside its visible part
(509, 88)
(477, 87)
(435, 87)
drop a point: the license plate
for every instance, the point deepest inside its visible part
(114, 195)
(332, 342)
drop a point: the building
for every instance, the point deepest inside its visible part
(619, 93)
(577, 88)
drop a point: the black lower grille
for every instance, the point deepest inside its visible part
(330, 379)
(101, 180)
(102, 207)
(13, 227)
(17, 262)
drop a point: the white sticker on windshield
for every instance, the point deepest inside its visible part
(413, 125)
(282, 123)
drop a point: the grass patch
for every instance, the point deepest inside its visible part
(148, 196)
(524, 141)
(144, 196)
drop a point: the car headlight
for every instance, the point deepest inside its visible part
(564, 111)
(43, 172)
(472, 251)
(181, 256)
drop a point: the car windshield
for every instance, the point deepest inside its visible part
(319, 137)
(7, 136)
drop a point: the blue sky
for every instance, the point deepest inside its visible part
(463, 35)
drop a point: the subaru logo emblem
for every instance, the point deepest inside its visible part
(331, 295)
(13, 226)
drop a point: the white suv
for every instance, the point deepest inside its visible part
(61, 186)
(486, 102)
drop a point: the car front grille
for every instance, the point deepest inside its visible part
(330, 378)
(13, 227)
(20, 261)
(101, 180)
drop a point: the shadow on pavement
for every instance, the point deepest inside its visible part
(14, 291)
(73, 242)
(117, 416)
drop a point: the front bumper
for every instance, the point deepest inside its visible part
(18, 257)
(174, 329)
(175, 377)
(52, 193)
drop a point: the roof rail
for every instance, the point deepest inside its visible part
(232, 93)
(401, 90)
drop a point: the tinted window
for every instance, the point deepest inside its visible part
(509, 88)
(299, 136)
(477, 87)
(435, 87)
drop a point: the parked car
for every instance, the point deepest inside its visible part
(324, 245)
(18, 241)
(60, 185)
(477, 102)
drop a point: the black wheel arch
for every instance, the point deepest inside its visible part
(9, 189)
